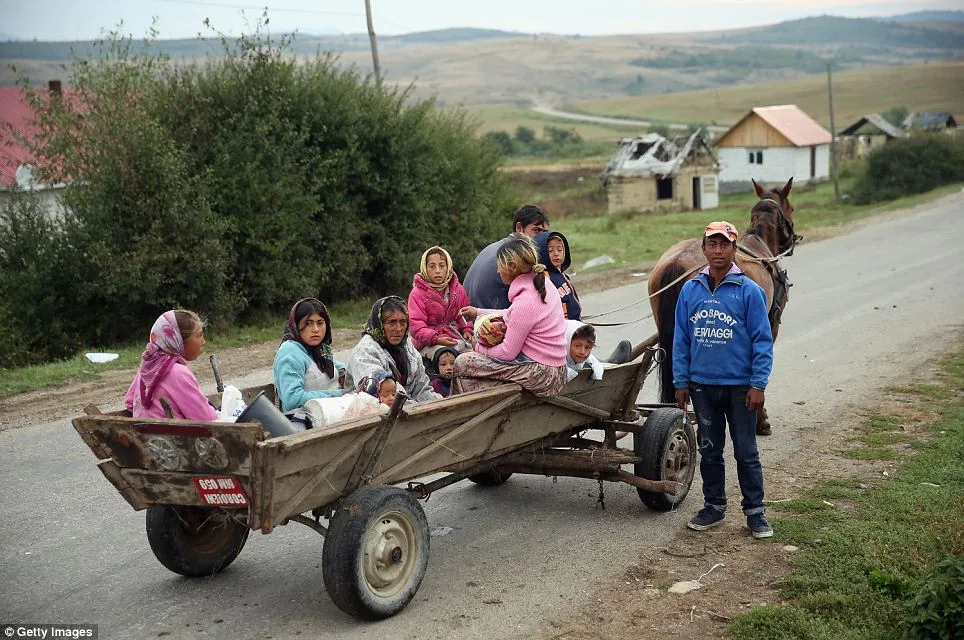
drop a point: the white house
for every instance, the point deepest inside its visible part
(772, 144)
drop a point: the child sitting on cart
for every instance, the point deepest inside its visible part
(444, 364)
(177, 337)
(304, 367)
(433, 306)
(554, 253)
(380, 385)
(581, 339)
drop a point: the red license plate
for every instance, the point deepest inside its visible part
(221, 491)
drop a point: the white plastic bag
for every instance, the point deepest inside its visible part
(231, 404)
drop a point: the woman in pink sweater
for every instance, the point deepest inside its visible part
(533, 352)
(177, 337)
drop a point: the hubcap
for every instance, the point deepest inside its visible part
(676, 461)
(390, 553)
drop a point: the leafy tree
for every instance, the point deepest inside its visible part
(558, 135)
(500, 139)
(525, 135)
(895, 115)
(235, 187)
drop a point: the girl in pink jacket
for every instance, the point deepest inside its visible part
(434, 304)
(533, 351)
(177, 337)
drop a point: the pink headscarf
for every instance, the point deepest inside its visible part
(165, 348)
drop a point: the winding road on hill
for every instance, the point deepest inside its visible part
(628, 122)
(866, 308)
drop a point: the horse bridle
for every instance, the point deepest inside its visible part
(785, 225)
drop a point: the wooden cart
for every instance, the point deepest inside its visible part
(207, 485)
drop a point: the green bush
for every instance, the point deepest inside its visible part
(936, 612)
(237, 186)
(910, 165)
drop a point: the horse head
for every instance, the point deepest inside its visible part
(771, 218)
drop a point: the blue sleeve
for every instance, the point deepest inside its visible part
(290, 366)
(682, 340)
(761, 337)
(339, 366)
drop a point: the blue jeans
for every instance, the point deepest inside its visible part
(715, 405)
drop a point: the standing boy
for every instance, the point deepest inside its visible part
(554, 253)
(722, 356)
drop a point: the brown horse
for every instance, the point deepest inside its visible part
(759, 250)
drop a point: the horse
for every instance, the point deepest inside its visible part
(769, 238)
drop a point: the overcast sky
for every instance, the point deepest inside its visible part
(82, 20)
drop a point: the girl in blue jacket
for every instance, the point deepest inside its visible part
(304, 367)
(554, 253)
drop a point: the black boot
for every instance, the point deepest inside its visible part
(621, 353)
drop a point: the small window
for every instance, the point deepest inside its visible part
(759, 157)
(752, 157)
(664, 188)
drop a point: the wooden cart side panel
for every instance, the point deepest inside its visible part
(124, 440)
(144, 489)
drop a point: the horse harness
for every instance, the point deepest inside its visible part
(781, 281)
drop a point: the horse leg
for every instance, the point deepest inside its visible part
(762, 423)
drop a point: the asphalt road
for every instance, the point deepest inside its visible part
(866, 308)
(629, 122)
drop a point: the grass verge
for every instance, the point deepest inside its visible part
(867, 549)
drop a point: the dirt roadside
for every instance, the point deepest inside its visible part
(736, 571)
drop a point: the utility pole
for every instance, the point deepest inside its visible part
(371, 37)
(834, 165)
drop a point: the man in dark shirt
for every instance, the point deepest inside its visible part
(482, 282)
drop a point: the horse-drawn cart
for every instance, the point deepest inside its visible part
(206, 485)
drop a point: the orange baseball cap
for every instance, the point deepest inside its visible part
(721, 227)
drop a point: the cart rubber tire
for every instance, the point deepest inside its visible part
(490, 478)
(667, 451)
(376, 552)
(194, 541)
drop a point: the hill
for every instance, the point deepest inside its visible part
(929, 16)
(930, 87)
(483, 66)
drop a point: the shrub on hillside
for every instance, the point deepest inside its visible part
(239, 185)
(910, 165)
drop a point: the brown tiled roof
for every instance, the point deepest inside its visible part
(795, 125)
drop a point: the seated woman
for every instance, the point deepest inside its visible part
(533, 351)
(385, 346)
(304, 367)
(177, 337)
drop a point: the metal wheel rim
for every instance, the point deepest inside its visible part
(676, 458)
(206, 530)
(390, 553)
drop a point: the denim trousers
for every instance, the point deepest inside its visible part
(715, 406)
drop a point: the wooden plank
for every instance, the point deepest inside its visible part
(124, 440)
(435, 444)
(366, 462)
(323, 474)
(578, 407)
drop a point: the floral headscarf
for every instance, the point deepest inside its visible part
(423, 268)
(322, 353)
(165, 348)
(376, 329)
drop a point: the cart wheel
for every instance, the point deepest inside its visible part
(376, 552)
(667, 451)
(195, 541)
(489, 478)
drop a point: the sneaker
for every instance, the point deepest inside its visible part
(707, 518)
(759, 526)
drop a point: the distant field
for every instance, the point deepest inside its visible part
(506, 117)
(927, 87)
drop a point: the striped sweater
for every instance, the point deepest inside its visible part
(534, 328)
